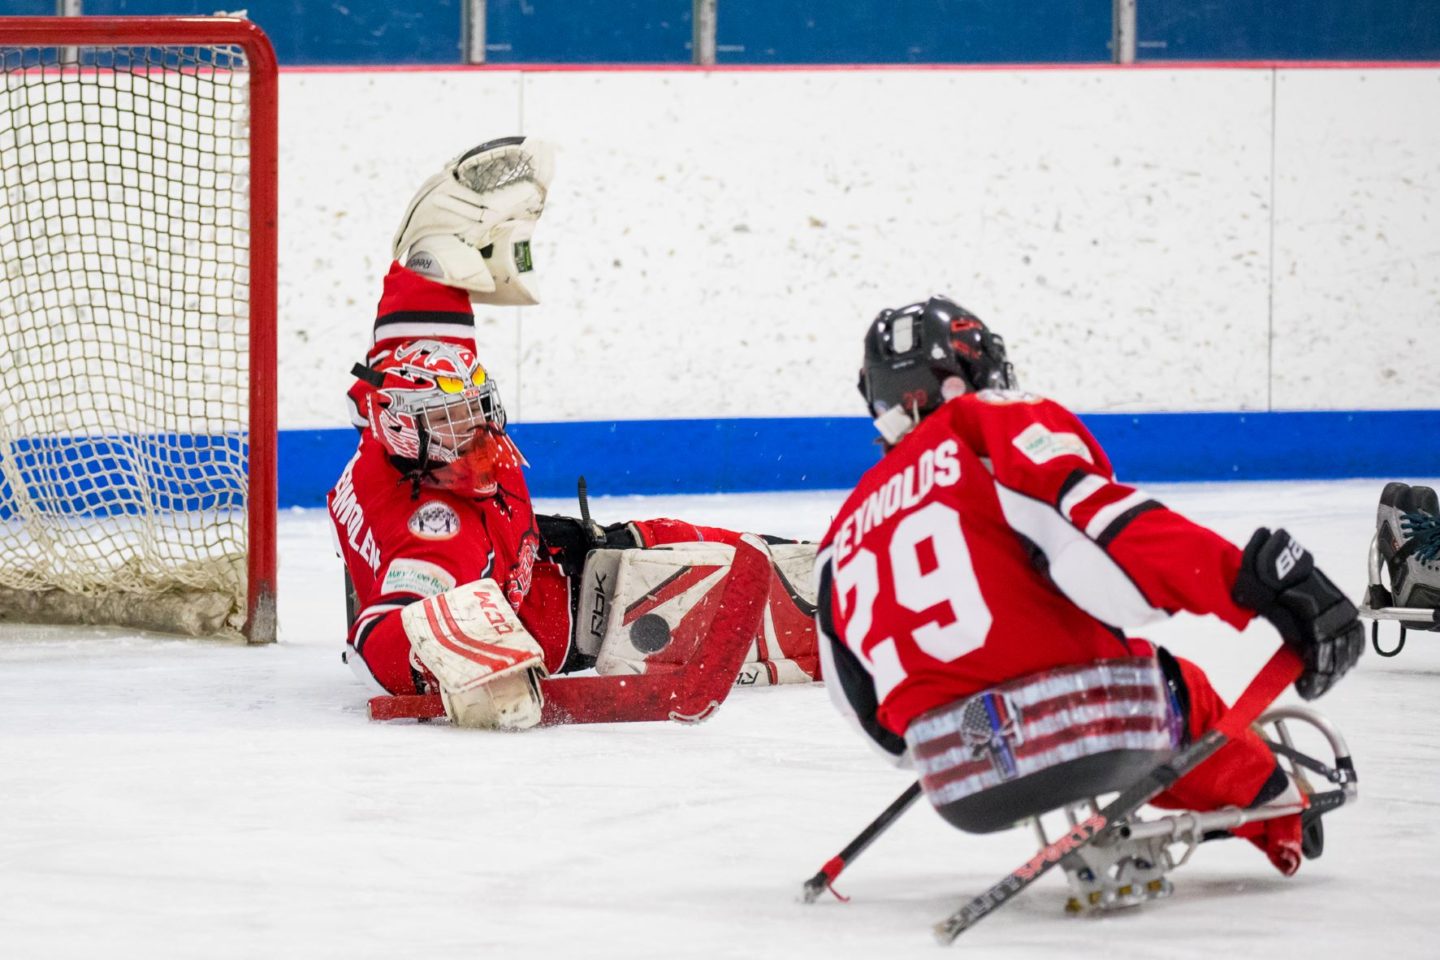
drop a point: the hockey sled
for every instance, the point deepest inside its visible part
(1053, 744)
(1378, 606)
(1132, 864)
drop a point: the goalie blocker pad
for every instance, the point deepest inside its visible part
(648, 611)
(485, 661)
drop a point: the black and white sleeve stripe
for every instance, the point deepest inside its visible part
(420, 324)
(1078, 563)
(1106, 523)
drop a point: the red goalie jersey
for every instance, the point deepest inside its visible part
(993, 542)
(408, 532)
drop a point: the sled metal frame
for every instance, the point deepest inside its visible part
(1130, 867)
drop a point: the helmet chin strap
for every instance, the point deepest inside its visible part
(894, 423)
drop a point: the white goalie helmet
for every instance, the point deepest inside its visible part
(470, 225)
(438, 416)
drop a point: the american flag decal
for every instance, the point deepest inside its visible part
(1038, 721)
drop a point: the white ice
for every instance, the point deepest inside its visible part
(164, 798)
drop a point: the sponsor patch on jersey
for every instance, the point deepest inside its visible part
(435, 520)
(1041, 445)
(419, 577)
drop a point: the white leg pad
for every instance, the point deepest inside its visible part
(658, 588)
(641, 610)
(484, 659)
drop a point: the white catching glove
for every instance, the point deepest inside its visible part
(470, 225)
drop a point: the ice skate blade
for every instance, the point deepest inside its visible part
(1123, 897)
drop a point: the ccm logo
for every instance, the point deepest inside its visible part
(1290, 556)
(493, 615)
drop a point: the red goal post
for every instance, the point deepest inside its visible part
(138, 208)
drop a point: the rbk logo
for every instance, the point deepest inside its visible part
(597, 616)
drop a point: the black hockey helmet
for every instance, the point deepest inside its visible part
(911, 352)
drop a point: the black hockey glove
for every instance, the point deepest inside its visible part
(1278, 580)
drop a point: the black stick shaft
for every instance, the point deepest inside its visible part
(832, 868)
(581, 492)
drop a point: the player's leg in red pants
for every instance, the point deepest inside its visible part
(1242, 773)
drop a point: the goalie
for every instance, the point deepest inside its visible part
(433, 505)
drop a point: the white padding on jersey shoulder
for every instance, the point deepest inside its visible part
(480, 653)
(1079, 566)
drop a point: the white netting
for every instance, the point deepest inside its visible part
(124, 335)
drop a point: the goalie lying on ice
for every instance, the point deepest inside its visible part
(433, 506)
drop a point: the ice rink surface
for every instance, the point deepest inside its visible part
(181, 799)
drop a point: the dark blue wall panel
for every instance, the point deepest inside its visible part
(1289, 30)
(721, 456)
(29, 8)
(822, 31)
(913, 31)
(338, 31)
(798, 453)
(588, 31)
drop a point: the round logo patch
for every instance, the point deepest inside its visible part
(435, 520)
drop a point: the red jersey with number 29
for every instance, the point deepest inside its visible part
(992, 542)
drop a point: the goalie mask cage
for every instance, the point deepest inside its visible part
(137, 324)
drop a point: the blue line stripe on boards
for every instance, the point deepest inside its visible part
(799, 453)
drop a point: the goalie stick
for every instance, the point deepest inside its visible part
(688, 694)
(1280, 671)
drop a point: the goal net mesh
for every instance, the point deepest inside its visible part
(124, 336)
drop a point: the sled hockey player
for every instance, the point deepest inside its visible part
(455, 585)
(1407, 548)
(973, 594)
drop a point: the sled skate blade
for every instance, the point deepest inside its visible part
(1115, 872)
(1116, 876)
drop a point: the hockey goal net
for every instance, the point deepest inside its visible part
(137, 324)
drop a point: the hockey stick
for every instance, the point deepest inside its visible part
(827, 874)
(1280, 671)
(688, 694)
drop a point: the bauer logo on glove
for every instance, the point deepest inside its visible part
(1287, 558)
